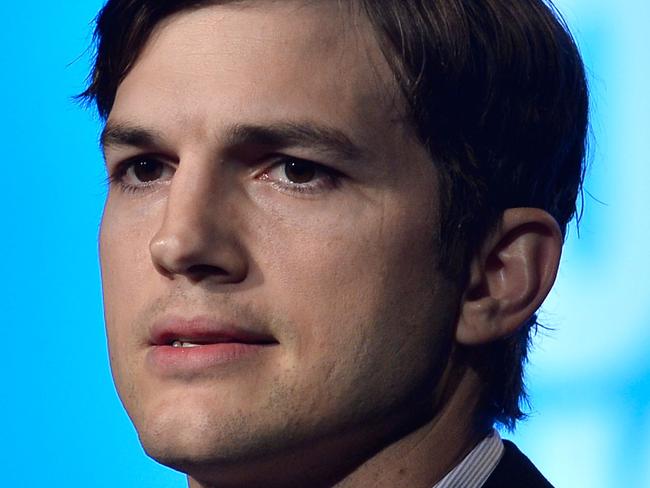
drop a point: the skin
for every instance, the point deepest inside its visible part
(369, 370)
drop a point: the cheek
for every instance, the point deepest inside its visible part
(123, 257)
(359, 294)
(125, 265)
(364, 259)
(125, 234)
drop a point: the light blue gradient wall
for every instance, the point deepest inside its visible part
(63, 425)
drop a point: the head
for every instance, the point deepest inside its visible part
(375, 193)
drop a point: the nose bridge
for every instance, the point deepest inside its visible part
(196, 234)
(192, 199)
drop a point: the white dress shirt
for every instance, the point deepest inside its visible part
(477, 466)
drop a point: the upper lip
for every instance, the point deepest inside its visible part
(205, 330)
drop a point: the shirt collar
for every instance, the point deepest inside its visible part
(477, 466)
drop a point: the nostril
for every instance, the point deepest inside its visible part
(198, 271)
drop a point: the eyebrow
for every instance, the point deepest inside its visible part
(124, 134)
(292, 134)
(276, 135)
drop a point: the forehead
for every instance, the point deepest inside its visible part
(262, 60)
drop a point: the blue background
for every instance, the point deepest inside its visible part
(62, 422)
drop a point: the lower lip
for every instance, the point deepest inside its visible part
(169, 360)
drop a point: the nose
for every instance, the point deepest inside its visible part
(198, 238)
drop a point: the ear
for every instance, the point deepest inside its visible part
(510, 276)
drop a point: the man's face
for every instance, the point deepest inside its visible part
(268, 200)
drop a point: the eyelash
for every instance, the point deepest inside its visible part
(329, 178)
(116, 177)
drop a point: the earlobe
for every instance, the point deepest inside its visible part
(510, 276)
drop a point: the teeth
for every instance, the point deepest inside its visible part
(184, 344)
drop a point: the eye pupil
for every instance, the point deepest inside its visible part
(300, 171)
(147, 170)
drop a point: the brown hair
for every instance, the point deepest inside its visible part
(496, 91)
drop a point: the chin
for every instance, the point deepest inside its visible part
(198, 434)
(218, 453)
(183, 429)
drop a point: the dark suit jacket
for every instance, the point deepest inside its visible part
(515, 471)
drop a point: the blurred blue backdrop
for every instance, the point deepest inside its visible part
(64, 426)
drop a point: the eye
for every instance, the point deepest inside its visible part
(141, 172)
(301, 175)
(300, 171)
(145, 170)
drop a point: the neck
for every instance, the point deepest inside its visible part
(425, 455)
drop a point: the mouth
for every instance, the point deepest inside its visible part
(177, 341)
(181, 346)
(185, 343)
(197, 332)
